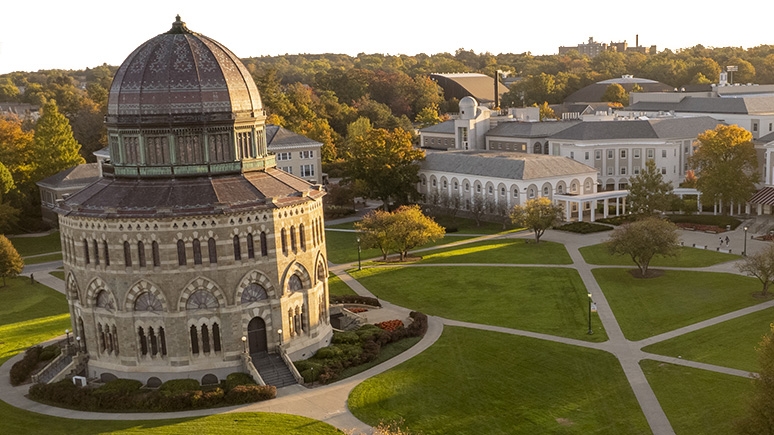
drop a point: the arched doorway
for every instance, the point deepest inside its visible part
(256, 336)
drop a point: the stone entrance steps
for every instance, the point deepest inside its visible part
(273, 370)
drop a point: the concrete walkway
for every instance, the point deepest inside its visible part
(329, 403)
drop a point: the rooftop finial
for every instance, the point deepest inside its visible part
(179, 26)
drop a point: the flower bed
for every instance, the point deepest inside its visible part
(390, 325)
(357, 309)
(700, 227)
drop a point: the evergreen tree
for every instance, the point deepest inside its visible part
(648, 192)
(53, 146)
(11, 263)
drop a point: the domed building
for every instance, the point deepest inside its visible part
(193, 249)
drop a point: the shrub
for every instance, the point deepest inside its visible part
(179, 385)
(354, 299)
(250, 393)
(703, 219)
(335, 212)
(235, 379)
(22, 370)
(121, 386)
(618, 220)
(49, 352)
(346, 337)
(418, 327)
(583, 227)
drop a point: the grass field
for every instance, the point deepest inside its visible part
(515, 251)
(342, 246)
(647, 307)
(32, 314)
(474, 382)
(43, 259)
(728, 344)
(337, 287)
(547, 300)
(697, 402)
(37, 245)
(687, 257)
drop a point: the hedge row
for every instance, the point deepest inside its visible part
(22, 370)
(352, 348)
(583, 227)
(127, 395)
(354, 299)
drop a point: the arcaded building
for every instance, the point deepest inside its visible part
(192, 239)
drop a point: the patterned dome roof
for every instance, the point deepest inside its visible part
(181, 73)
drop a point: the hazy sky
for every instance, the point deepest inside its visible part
(49, 34)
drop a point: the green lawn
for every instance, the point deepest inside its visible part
(515, 251)
(474, 382)
(342, 246)
(43, 259)
(647, 307)
(728, 344)
(697, 401)
(37, 245)
(58, 273)
(337, 287)
(547, 300)
(464, 226)
(687, 257)
(32, 314)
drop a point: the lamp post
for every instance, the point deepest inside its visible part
(744, 252)
(590, 331)
(67, 336)
(78, 340)
(279, 334)
(244, 344)
(358, 253)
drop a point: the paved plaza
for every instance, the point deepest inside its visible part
(329, 403)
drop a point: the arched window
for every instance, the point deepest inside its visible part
(155, 254)
(115, 340)
(284, 241)
(96, 252)
(293, 239)
(103, 300)
(143, 341)
(254, 292)
(141, 253)
(86, 251)
(127, 255)
(148, 302)
(200, 300)
(101, 335)
(215, 337)
(194, 340)
(302, 237)
(105, 250)
(205, 339)
(154, 344)
(560, 189)
(212, 249)
(545, 190)
(162, 341)
(181, 253)
(197, 250)
(250, 246)
(294, 283)
(264, 246)
(237, 249)
(537, 149)
(531, 192)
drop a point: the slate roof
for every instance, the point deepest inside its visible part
(281, 137)
(149, 197)
(738, 106)
(765, 139)
(662, 128)
(529, 129)
(594, 92)
(444, 127)
(506, 165)
(78, 176)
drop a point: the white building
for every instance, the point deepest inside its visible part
(464, 133)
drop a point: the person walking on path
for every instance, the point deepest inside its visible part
(727, 240)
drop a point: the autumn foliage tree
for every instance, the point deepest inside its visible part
(400, 231)
(537, 214)
(643, 239)
(726, 164)
(11, 263)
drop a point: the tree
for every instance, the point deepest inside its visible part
(616, 93)
(643, 239)
(759, 418)
(11, 263)
(546, 112)
(761, 266)
(53, 145)
(374, 231)
(648, 192)
(477, 207)
(428, 116)
(537, 214)
(411, 228)
(385, 162)
(727, 164)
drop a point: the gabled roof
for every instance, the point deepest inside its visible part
(506, 165)
(529, 129)
(765, 139)
(79, 176)
(281, 137)
(639, 129)
(444, 127)
(738, 106)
